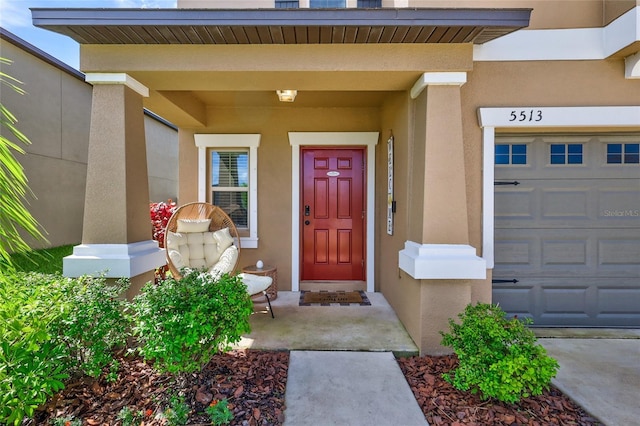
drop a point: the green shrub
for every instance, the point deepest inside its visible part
(32, 365)
(499, 358)
(94, 325)
(181, 324)
(51, 326)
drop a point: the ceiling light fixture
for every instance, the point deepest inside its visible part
(287, 95)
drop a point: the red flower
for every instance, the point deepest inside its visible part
(148, 413)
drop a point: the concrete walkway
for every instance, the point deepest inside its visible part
(342, 370)
(348, 388)
(601, 375)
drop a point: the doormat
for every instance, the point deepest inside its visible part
(334, 298)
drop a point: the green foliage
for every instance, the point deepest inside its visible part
(94, 325)
(177, 413)
(499, 358)
(14, 216)
(181, 324)
(51, 326)
(66, 421)
(46, 261)
(128, 417)
(32, 365)
(219, 412)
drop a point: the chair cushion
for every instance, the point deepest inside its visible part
(255, 283)
(193, 225)
(226, 263)
(223, 237)
(175, 239)
(176, 259)
(178, 249)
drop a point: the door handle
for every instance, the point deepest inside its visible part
(307, 210)
(306, 222)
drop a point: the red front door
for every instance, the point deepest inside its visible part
(332, 214)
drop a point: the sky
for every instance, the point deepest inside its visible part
(15, 17)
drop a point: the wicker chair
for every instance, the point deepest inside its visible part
(207, 218)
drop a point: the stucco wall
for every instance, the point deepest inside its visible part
(402, 292)
(162, 159)
(225, 4)
(55, 115)
(274, 166)
(547, 13)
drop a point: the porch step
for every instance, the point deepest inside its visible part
(348, 388)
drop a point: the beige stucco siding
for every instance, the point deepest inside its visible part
(400, 290)
(55, 115)
(548, 13)
(274, 166)
(162, 160)
(560, 83)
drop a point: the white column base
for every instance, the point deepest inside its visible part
(114, 260)
(441, 261)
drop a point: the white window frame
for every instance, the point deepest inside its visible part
(230, 141)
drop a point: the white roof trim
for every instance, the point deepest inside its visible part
(565, 44)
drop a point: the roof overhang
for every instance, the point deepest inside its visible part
(280, 26)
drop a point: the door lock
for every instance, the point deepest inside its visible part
(307, 210)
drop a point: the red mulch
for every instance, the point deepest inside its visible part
(442, 404)
(254, 384)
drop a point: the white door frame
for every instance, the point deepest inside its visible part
(298, 139)
(579, 118)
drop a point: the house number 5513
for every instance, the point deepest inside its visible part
(526, 115)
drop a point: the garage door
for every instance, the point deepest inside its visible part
(567, 229)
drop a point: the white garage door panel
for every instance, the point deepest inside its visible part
(569, 234)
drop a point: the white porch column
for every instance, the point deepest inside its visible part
(116, 233)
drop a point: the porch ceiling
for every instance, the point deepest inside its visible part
(280, 26)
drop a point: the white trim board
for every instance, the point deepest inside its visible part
(563, 44)
(527, 117)
(298, 139)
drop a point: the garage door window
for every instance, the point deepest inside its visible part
(623, 153)
(510, 154)
(569, 153)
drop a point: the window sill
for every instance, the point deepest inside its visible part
(248, 242)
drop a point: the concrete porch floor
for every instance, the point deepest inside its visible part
(374, 328)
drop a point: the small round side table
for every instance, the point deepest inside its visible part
(267, 271)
